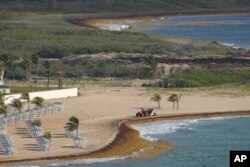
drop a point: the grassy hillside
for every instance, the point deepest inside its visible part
(50, 36)
(102, 6)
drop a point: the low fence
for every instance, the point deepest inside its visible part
(50, 94)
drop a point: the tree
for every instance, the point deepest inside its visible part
(16, 103)
(73, 124)
(175, 98)
(153, 69)
(172, 99)
(2, 100)
(38, 101)
(26, 96)
(178, 98)
(12, 68)
(47, 65)
(35, 61)
(36, 122)
(4, 110)
(157, 98)
(60, 83)
(26, 66)
(47, 135)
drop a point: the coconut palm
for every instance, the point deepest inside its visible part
(157, 98)
(12, 66)
(47, 135)
(26, 96)
(36, 122)
(16, 103)
(2, 99)
(26, 66)
(60, 74)
(153, 69)
(178, 98)
(38, 101)
(3, 110)
(172, 99)
(175, 98)
(35, 61)
(72, 125)
(47, 65)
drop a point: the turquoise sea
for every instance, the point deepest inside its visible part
(197, 142)
(232, 30)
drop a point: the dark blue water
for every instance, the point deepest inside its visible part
(229, 29)
(198, 143)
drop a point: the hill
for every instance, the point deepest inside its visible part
(105, 6)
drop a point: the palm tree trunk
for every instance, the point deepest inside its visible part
(173, 105)
(77, 132)
(49, 81)
(177, 105)
(12, 83)
(28, 83)
(159, 105)
(28, 105)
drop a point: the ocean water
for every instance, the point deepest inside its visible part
(233, 30)
(197, 143)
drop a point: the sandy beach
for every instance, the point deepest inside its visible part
(101, 109)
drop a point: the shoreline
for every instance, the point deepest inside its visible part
(122, 144)
(94, 21)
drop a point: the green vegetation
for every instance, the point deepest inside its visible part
(37, 122)
(202, 77)
(38, 101)
(16, 103)
(26, 96)
(73, 124)
(157, 98)
(175, 98)
(108, 6)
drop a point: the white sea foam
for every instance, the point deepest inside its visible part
(229, 45)
(115, 27)
(168, 127)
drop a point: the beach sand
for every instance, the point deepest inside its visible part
(101, 109)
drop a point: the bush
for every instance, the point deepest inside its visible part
(198, 77)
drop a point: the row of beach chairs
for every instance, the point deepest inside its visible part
(37, 132)
(7, 145)
(14, 116)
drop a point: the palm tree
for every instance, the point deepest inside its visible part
(73, 124)
(26, 96)
(3, 110)
(12, 66)
(172, 99)
(178, 98)
(175, 98)
(47, 65)
(36, 122)
(60, 83)
(16, 103)
(35, 61)
(47, 135)
(26, 66)
(157, 98)
(153, 69)
(38, 101)
(2, 100)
